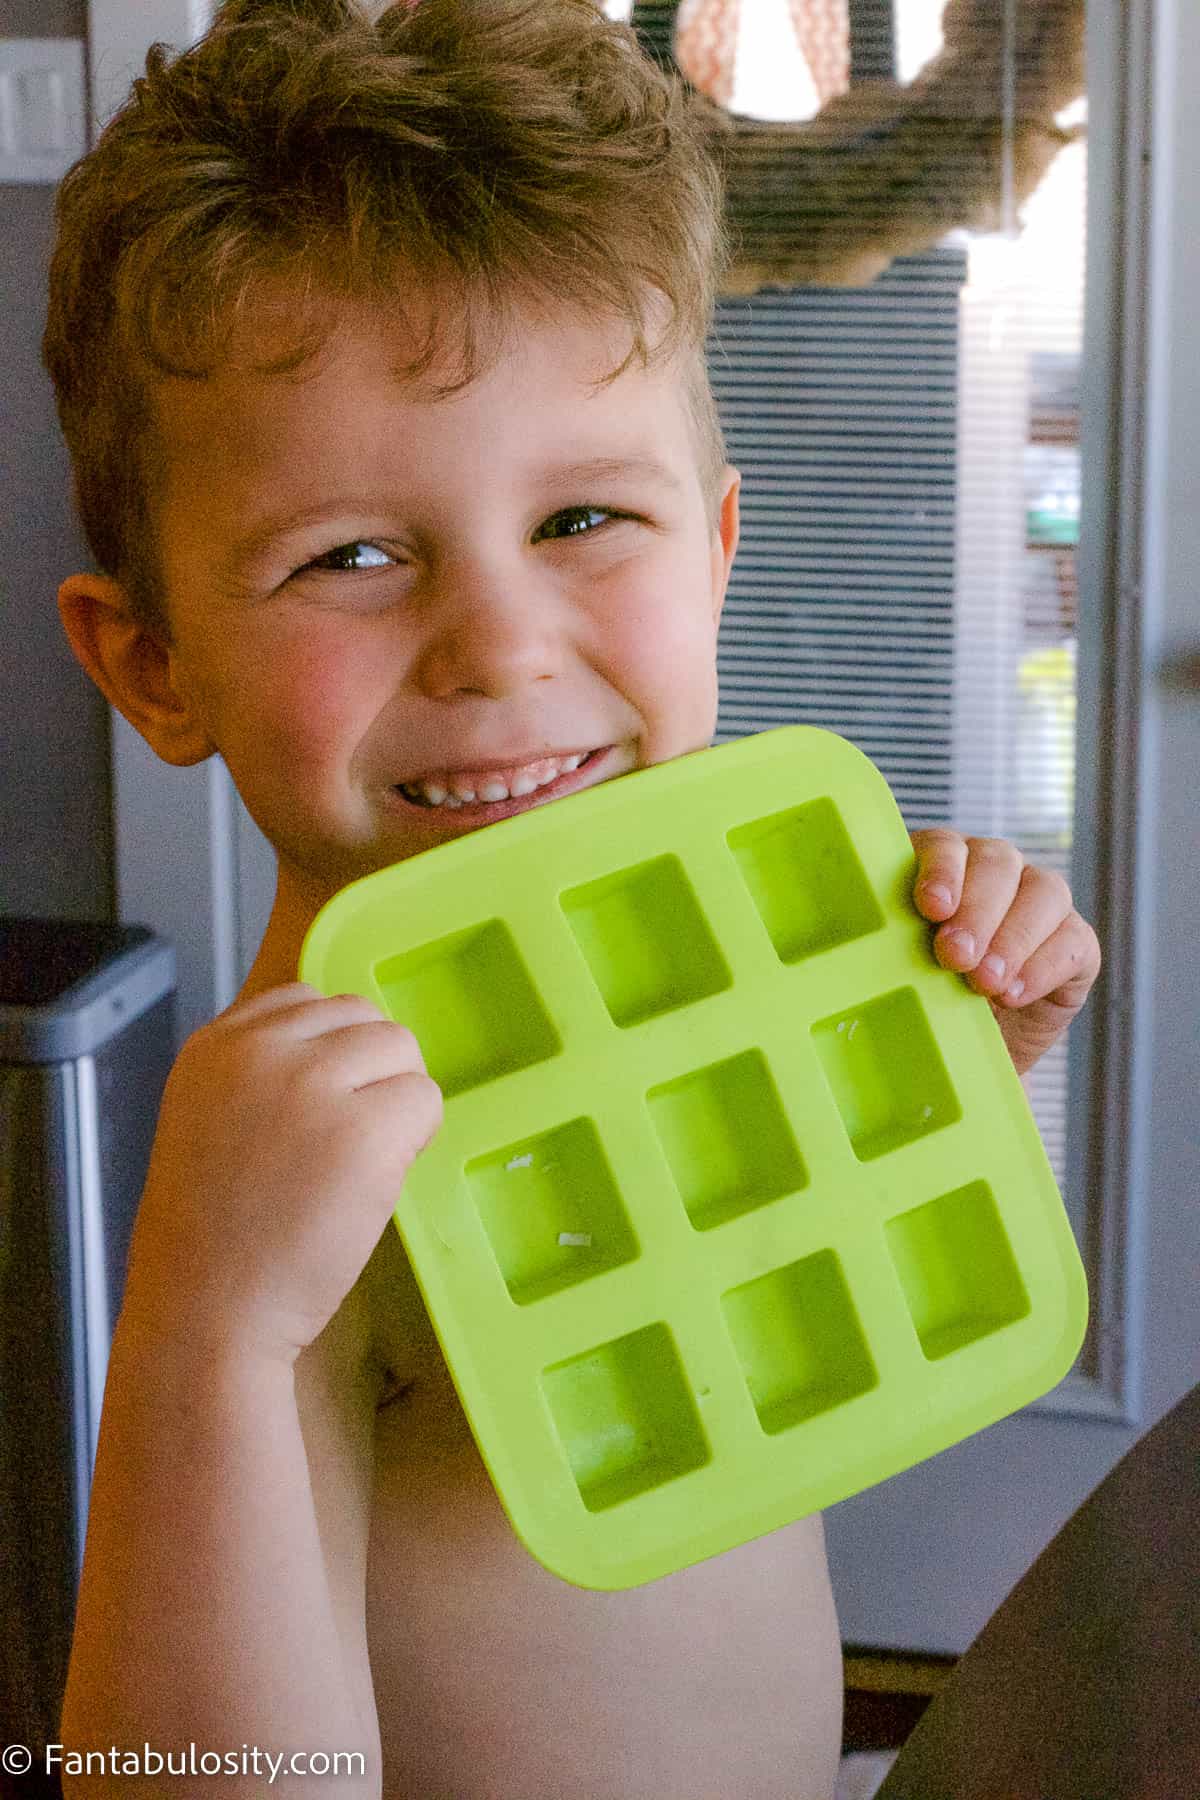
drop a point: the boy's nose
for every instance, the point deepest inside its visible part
(492, 642)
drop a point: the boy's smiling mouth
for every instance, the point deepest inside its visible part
(484, 795)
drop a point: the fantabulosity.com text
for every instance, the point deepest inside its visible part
(190, 1759)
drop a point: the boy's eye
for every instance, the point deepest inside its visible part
(574, 521)
(348, 558)
(358, 556)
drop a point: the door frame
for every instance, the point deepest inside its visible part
(1162, 659)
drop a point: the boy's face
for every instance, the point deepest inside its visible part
(369, 588)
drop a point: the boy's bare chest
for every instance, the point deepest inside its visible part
(493, 1677)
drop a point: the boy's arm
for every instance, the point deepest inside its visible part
(210, 1610)
(223, 1600)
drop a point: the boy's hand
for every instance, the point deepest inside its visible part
(287, 1127)
(1012, 930)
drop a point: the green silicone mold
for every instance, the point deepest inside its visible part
(737, 1206)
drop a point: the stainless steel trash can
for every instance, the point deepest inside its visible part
(87, 1039)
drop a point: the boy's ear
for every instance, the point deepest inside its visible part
(133, 668)
(725, 536)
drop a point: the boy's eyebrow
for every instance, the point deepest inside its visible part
(594, 468)
(611, 468)
(281, 525)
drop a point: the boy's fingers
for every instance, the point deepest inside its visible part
(318, 1015)
(421, 1120)
(990, 885)
(1061, 970)
(364, 1052)
(286, 995)
(1043, 901)
(297, 1006)
(941, 862)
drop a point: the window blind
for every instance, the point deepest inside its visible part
(839, 409)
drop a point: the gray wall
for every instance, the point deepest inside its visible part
(56, 852)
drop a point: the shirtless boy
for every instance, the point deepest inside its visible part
(333, 304)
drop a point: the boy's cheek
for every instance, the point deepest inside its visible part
(665, 653)
(306, 733)
(307, 697)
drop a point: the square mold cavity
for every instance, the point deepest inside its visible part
(726, 1138)
(957, 1269)
(886, 1073)
(806, 880)
(551, 1211)
(646, 941)
(799, 1341)
(625, 1417)
(471, 1004)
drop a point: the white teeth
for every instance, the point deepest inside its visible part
(435, 794)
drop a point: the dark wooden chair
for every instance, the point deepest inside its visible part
(1085, 1684)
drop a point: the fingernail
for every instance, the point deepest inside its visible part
(940, 896)
(992, 968)
(961, 944)
(1015, 991)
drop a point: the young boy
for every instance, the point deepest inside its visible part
(379, 349)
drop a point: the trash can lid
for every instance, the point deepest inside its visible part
(66, 985)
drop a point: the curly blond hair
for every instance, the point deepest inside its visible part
(503, 154)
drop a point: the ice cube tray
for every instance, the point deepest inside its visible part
(737, 1206)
